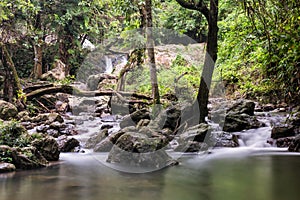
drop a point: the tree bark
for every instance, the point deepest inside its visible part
(38, 61)
(211, 16)
(151, 54)
(12, 85)
(210, 59)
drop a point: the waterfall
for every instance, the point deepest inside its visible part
(109, 65)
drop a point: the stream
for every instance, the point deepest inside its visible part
(255, 170)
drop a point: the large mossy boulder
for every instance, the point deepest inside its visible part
(295, 144)
(67, 144)
(137, 150)
(281, 131)
(7, 110)
(48, 147)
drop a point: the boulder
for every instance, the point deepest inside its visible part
(7, 110)
(168, 118)
(7, 167)
(239, 122)
(67, 144)
(295, 144)
(242, 107)
(138, 150)
(281, 131)
(95, 139)
(94, 80)
(284, 142)
(57, 73)
(196, 133)
(133, 118)
(48, 147)
(191, 146)
(29, 158)
(226, 140)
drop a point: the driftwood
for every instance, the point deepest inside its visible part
(77, 92)
(37, 87)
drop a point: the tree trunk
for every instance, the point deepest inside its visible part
(150, 52)
(210, 59)
(12, 85)
(38, 61)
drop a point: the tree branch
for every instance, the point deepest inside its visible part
(200, 6)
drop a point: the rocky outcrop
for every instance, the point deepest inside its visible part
(7, 110)
(281, 131)
(134, 118)
(48, 147)
(66, 144)
(241, 116)
(137, 150)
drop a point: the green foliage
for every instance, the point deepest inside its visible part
(259, 47)
(6, 156)
(14, 135)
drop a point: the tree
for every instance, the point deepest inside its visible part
(150, 52)
(211, 15)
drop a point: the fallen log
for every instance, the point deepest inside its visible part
(77, 92)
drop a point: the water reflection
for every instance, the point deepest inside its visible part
(83, 177)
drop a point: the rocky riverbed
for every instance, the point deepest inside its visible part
(68, 123)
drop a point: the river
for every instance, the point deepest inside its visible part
(241, 173)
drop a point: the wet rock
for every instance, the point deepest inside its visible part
(94, 80)
(52, 132)
(294, 119)
(191, 146)
(48, 147)
(242, 107)
(138, 150)
(295, 144)
(284, 142)
(29, 158)
(226, 140)
(48, 101)
(92, 141)
(196, 133)
(7, 167)
(67, 144)
(106, 126)
(143, 122)
(168, 118)
(282, 131)
(239, 122)
(107, 143)
(268, 107)
(133, 118)
(7, 110)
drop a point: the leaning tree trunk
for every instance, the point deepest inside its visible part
(12, 85)
(150, 52)
(210, 59)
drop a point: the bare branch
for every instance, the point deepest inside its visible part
(199, 6)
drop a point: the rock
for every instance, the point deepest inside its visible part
(242, 107)
(142, 123)
(268, 107)
(295, 144)
(282, 131)
(48, 101)
(168, 118)
(106, 144)
(48, 147)
(94, 80)
(239, 122)
(29, 158)
(284, 142)
(7, 167)
(227, 140)
(294, 119)
(133, 118)
(7, 110)
(67, 144)
(92, 141)
(138, 150)
(55, 117)
(196, 133)
(57, 73)
(191, 146)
